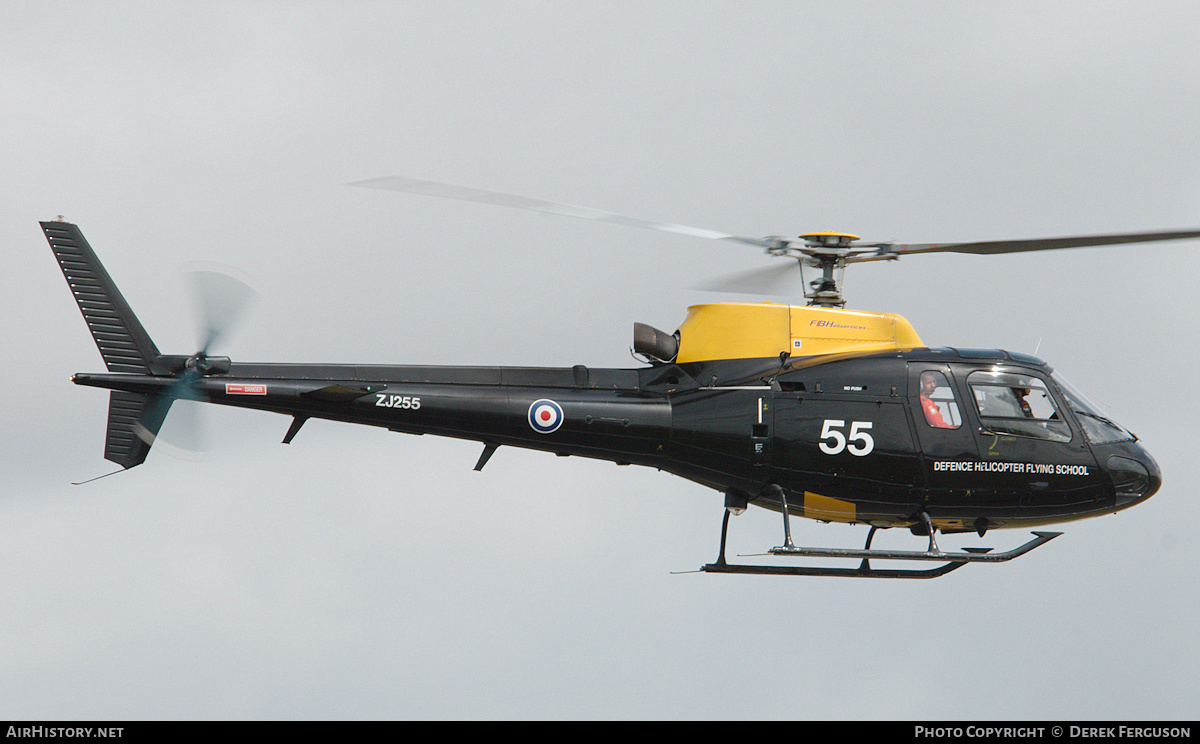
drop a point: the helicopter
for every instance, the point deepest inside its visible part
(815, 411)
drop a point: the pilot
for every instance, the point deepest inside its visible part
(933, 412)
(1023, 404)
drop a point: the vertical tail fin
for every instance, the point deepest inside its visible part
(123, 342)
(133, 423)
(133, 419)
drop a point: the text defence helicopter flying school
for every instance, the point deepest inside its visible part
(814, 410)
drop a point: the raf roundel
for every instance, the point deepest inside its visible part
(545, 416)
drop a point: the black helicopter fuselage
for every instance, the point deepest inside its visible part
(830, 414)
(845, 436)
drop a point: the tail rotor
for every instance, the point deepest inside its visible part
(222, 296)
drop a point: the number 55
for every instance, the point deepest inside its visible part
(859, 443)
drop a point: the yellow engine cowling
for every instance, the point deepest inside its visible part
(743, 330)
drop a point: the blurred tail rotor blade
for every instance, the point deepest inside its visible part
(223, 295)
(182, 435)
(781, 279)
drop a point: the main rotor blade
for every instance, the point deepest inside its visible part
(466, 193)
(768, 280)
(1040, 244)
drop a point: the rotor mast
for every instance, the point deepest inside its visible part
(827, 252)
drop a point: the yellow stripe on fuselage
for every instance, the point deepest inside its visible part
(828, 509)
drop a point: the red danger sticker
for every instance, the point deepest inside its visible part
(237, 389)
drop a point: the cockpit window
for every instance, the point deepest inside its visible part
(1096, 427)
(1018, 404)
(937, 401)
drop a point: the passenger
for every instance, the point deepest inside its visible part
(933, 412)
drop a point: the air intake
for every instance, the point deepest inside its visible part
(653, 343)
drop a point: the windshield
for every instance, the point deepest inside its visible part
(1018, 404)
(1098, 428)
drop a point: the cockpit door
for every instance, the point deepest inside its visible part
(938, 414)
(1030, 451)
(949, 449)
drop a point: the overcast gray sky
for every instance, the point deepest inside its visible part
(362, 574)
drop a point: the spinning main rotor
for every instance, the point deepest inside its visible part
(827, 252)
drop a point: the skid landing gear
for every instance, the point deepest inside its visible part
(950, 561)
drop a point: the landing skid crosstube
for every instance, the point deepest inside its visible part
(951, 561)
